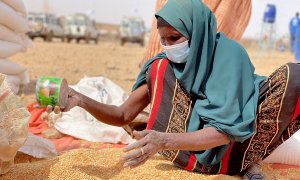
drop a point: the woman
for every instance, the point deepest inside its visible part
(209, 112)
(232, 19)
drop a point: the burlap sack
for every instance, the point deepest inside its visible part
(232, 19)
(14, 120)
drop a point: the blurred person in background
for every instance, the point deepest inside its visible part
(294, 23)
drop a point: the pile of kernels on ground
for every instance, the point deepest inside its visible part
(100, 164)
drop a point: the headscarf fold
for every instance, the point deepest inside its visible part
(218, 75)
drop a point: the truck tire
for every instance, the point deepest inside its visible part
(123, 41)
(49, 36)
(68, 39)
(142, 43)
(87, 39)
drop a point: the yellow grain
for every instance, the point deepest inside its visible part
(100, 164)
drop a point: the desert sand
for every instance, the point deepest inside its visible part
(109, 59)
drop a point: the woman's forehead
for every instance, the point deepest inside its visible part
(168, 31)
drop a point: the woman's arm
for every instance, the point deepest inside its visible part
(203, 139)
(150, 142)
(111, 114)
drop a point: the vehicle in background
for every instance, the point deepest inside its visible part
(132, 29)
(80, 27)
(46, 26)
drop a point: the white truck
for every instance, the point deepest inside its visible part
(46, 26)
(132, 29)
(80, 27)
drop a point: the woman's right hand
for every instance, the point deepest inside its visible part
(74, 99)
(52, 114)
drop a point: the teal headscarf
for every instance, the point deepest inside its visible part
(218, 74)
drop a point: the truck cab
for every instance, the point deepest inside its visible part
(132, 29)
(80, 27)
(46, 26)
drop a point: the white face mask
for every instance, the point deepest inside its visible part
(177, 53)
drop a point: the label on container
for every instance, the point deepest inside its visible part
(48, 90)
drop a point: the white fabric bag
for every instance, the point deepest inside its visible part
(80, 124)
(8, 49)
(14, 121)
(12, 19)
(16, 74)
(287, 153)
(13, 69)
(9, 35)
(17, 5)
(38, 147)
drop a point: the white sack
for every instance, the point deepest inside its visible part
(7, 34)
(14, 122)
(10, 68)
(17, 5)
(38, 147)
(8, 49)
(14, 83)
(16, 74)
(287, 153)
(80, 124)
(12, 19)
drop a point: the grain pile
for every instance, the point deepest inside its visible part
(100, 164)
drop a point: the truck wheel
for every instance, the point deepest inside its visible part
(49, 36)
(69, 40)
(87, 39)
(142, 43)
(122, 42)
(96, 41)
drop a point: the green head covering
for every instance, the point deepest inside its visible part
(218, 74)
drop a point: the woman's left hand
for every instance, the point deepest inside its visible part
(149, 143)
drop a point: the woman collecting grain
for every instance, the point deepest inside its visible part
(209, 112)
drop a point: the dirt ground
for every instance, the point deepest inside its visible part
(109, 59)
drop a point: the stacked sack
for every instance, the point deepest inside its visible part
(14, 117)
(13, 39)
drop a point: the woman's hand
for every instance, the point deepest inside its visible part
(73, 100)
(50, 116)
(149, 143)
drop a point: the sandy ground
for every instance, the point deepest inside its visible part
(109, 59)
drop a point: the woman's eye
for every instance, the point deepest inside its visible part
(174, 38)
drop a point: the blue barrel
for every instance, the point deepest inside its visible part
(297, 44)
(270, 13)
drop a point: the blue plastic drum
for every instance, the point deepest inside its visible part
(297, 44)
(270, 13)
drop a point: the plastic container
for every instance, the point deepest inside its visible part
(297, 45)
(52, 91)
(270, 13)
